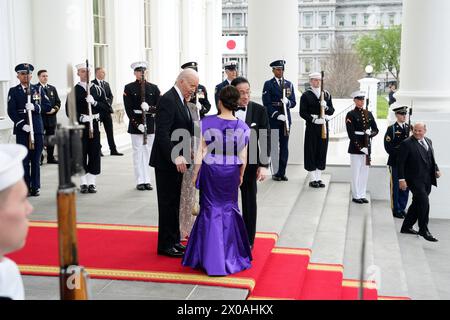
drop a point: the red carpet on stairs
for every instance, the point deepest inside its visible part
(128, 253)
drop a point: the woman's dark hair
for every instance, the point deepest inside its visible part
(230, 97)
(238, 81)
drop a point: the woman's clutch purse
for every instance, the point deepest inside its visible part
(196, 206)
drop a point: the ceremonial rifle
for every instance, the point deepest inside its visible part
(409, 119)
(29, 114)
(144, 113)
(287, 126)
(367, 142)
(322, 109)
(88, 92)
(73, 279)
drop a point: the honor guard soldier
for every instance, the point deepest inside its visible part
(231, 71)
(316, 145)
(361, 127)
(201, 94)
(141, 97)
(279, 94)
(395, 134)
(49, 118)
(89, 102)
(26, 102)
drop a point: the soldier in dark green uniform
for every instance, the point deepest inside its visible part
(395, 134)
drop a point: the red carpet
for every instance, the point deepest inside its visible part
(128, 253)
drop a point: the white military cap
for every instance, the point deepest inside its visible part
(358, 95)
(83, 66)
(11, 167)
(230, 65)
(139, 65)
(315, 75)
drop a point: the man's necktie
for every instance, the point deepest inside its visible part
(424, 145)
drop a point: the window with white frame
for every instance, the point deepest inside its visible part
(341, 20)
(391, 19)
(225, 20)
(307, 20)
(307, 42)
(237, 20)
(354, 16)
(307, 65)
(100, 38)
(324, 42)
(324, 19)
(366, 19)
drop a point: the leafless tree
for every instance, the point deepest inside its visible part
(343, 70)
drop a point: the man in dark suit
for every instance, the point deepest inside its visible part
(256, 117)
(49, 118)
(105, 115)
(174, 130)
(418, 171)
(25, 99)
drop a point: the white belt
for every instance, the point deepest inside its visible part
(137, 111)
(94, 116)
(359, 133)
(315, 116)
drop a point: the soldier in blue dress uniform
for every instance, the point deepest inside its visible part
(201, 93)
(18, 107)
(231, 71)
(395, 134)
(272, 98)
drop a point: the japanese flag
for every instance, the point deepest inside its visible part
(233, 44)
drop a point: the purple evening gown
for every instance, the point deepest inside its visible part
(218, 243)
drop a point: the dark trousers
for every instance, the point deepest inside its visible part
(249, 208)
(106, 119)
(91, 150)
(279, 166)
(31, 163)
(315, 148)
(168, 185)
(419, 210)
(49, 131)
(399, 198)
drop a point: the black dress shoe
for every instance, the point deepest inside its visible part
(364, 200)
(84, 188)
(35, 193)
(403, 213)
(141, 187)
(52, 161)
(314, 184)
(172, 252)
(284, 178)
(320, 184)
(180, 247)
(398, 215)
(428, 236)
(101, 154)
(92, 189)
(359, 201)
(148, 186)
(408, 231)
(116, 153)
(276, 178)
(41, 162)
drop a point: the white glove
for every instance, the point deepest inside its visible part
(285, 101)
(319, 121)
(85, 119)
(281, 117)
(368, 132)
(145, 107)
(141, 128)
(365, 151)
(90, 99)
(26, 128)
(327, 118)
(323, 104)
(29, 106)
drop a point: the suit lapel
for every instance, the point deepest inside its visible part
(181, 106)
(421, 150)
(249, 114)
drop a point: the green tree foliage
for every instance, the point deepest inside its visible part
(381, 50)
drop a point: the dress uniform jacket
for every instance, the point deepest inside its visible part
(357, 122)
(272, 96)
(132, 100)
(395, 134)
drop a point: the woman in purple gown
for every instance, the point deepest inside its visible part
(218, 243)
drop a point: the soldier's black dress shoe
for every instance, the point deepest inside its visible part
(35, 193)
(364, 200)
(141, 187)
(398, 215)
(52, 161)
(101, 154)
(276, 178)
(84, 188)
(116, 153)
(148, 186)
(180, 247)
(172, 252)
(428, 236)
(284, 178)
(359, 201)
(92, 189)
(408, 231)
(314, 184)
(320, 184)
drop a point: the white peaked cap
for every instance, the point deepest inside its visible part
(358, 94)
(83, 66)
(315, 75)
(11, 167)
(139, 64)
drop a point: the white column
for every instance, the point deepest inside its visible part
(425, 81)
(273, 35)
(370, 87)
